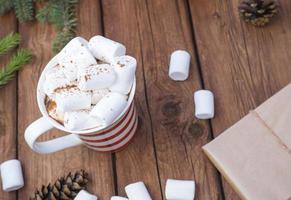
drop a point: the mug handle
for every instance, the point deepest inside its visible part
(38, 128)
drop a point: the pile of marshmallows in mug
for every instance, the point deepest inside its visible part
(11, 171)
(90, 83)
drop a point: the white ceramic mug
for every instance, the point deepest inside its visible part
(106, 139)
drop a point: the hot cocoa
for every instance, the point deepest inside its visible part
(83, 92)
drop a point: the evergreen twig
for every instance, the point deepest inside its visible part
(62, 15)
(21, 58)
(61, 40)
(8, 42)
(24, 10)
(5, 6)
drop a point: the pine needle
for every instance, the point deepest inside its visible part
(5, 6)
(62, 15)
(21, 58)
(24, 10)
(61, 40)
(44, 13)
(8, 42)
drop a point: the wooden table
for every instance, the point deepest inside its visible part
(241, 64)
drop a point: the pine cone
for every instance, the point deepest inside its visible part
(65, 188)
(258, 12)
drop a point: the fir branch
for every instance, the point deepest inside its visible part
(61, 40)
(62, 14)
(24, 10)
(59, 13)
(43, 14)
(21, 58)
(5, 6)
(8, 42)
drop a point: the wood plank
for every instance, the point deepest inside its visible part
(41, 169)
(223, 60)
(152, 30)
(269, 54)
(137, 162)
(8, 106)
(241, 64)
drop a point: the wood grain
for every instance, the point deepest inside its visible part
(8, 106)
(178, 136)
(137, 162)
(154, 29)
(41, 169)
(241, 64)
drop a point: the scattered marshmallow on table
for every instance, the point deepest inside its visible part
(118, 198)
(80, 120)
(96, 77)
(109, 107)
(73, 56)
(70, 99)
(137, 191)
(204, 104)
(105, 49)
(97, 95)
(84, 195)
(179, 65)
(11, 174)
(125, 67)
(180, 189)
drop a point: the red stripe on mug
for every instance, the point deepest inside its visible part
(113, 132)
(117, 142)
(118, 146)
(111, 128)
(119, 132)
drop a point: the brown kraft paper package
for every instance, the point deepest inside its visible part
(254, 155)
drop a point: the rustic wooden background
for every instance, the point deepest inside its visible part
(241, 64)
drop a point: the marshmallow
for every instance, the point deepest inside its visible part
(118, 198)
(97, 95)
(51, 107)
(84, 195)
(54, 72)
(55, 79)
(75, 55)
(179, 65)
(137, 191)
(96, 77)
(80, 120)
(109, 107)
(204, 104)
(11, 174)
(105, 49)
(72, 98)
(125, 67)
(180, 190)
(75, 44)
